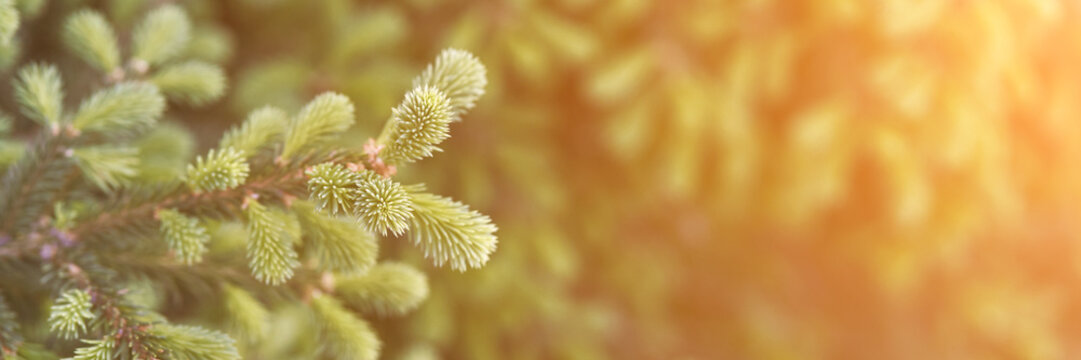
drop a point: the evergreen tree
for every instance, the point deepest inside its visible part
(105, 215)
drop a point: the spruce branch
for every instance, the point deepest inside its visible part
(9, 21)
(40, 93)
(223, 169)
(450, 233)
(319, 121)
(260, 129)
(373, 148)
(382, 205)
(192, 83)
(247, 316)
(90, 37)
(417, 125)
(121, 110)
(127, 211)
(182, 281)
(30, 185)
(95, 350)
(181, 342)
(32, 351)
(333, 187)
(10, 332)
(459, 75)
(107, 166)
(69, 315)
(345, 336)
(134, 331)
(43, 174)
(164, 154)
(338, 244)
(388, 289)
(85, 234)
(160, 37)
(186, 237)
(270, 252)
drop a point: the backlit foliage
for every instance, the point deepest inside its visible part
(742, 179)
(745, 179)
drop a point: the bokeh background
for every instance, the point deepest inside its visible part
(725, 179)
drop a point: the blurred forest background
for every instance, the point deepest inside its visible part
(745, 179)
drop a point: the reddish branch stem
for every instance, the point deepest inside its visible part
(184, 200)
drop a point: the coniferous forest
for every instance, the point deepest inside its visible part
(526, 179)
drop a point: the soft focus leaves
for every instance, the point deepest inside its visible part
(90, 37)
(125, 108)
(697, 179)
(194, 83)
(40, 93)
(319, 121)
(162, 35)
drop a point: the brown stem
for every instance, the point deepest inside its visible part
(184, 200)
(120, 326)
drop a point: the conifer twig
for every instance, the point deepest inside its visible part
(183, 199)
(25, 180)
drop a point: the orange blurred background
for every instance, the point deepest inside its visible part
(758, 179)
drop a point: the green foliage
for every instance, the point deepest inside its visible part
(121, 110)
(418, 124)
(40, 93)
(383, 205)
(97, 350)
(333, 187)
(346, 336)
(221, 169)
(10, 152)
(186, 237)
(450, 233)
(64, 216)
(9, 21)
(124, 12)
(83, 202)
(10, 336)
(388, 289)
(161, 36)
(247, 316)
(11, 53)
(68, 317)
(262, 127)
(194, 83)
(30, 8)
(271, 256)
(164, 153)
(271, 84)
(419, 352)
(180, 342)
(338, 244)
(319, 121)
(90, 37)
(459, 75)
(209, 43)
(31, 351)
(5, 124)
(107, 166)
